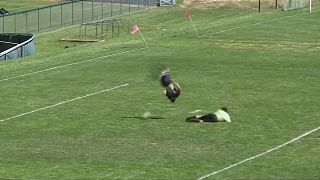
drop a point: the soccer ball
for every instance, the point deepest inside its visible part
(146, 115)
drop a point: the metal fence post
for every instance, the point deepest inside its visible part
(82, 11)
(72, 12)
(3, 23)
(111, 7)
(50, 17)
(26, 21)
(61, 14)
(118, 27)
(112, 29)
(97, 31)
(15, 23)
(21, 51)
(102, 9)
(85, 31)
(38, 20)
(121, 7)
(92, 8)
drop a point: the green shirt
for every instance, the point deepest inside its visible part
(222, 116)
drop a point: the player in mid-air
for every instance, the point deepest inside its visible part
(219, 116)
(172, 88)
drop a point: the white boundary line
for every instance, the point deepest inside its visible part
(262, 22)
(65, 65)
(60, 103)
(261, 154)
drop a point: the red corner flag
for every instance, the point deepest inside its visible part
(134, 29)
(187, 13)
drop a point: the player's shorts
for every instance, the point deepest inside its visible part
(173, 93)
(209, 118)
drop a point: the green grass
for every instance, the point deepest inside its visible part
(267, 74)
(21, 5)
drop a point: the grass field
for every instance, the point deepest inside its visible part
(21, 5)
(73, 113)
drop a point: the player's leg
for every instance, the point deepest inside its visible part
(192, 119)
(209, 118)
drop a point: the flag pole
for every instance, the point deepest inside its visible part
(135, 29)
(188, 15)
(193, 26)
(143, 39)
(310, 6)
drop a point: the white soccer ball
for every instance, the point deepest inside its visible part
(146, 115)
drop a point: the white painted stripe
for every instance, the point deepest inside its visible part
(262, 22)
(60, 103)
(261, 154)
(71, 64)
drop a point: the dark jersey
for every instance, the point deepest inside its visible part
(172, 88)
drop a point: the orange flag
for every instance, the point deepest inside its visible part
(134, 29)
(187, 13)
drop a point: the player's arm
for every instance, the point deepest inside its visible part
(227, 119)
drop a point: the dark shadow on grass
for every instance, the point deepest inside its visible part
(155, 70)
(139, 117)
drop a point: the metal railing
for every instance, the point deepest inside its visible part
(103, 26)
(20, 45)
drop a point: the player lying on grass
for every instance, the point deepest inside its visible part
(172, 88)
(220, 116)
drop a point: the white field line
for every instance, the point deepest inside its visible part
(66, 65)
(63, 102)
(262, 22)
(261, 154)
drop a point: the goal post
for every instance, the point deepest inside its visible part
(297, 4)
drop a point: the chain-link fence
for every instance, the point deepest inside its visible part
(68, 13)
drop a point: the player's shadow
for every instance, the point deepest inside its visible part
(139, 117)
(155, 70)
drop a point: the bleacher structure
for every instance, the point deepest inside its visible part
(15, 45)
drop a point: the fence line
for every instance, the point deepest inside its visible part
(68, 13)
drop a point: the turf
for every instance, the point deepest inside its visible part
(22, 5)
(267, 74)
